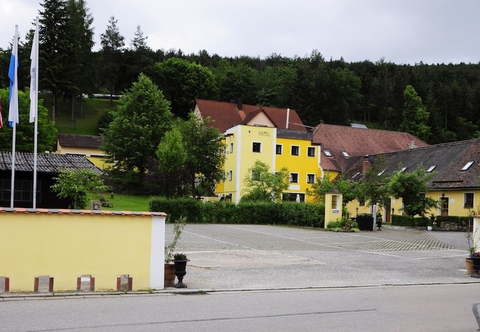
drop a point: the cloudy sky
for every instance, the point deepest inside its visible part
(400, 31)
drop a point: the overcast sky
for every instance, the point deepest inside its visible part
(400, 31)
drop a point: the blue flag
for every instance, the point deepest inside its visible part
(12, 75)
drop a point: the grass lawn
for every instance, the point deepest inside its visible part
(122, 202)
(87, 124)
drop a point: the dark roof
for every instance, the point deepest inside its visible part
(225, 115)
(358, 142)
(46, 163)
(79, 141)
(448, 159)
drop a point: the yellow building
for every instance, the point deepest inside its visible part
(83, 145)
(274, 136)
(455, 169)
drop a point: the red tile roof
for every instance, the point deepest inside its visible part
(225, 115)
(93, 212)
(358, 142)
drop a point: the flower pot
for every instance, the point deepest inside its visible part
(469, 266)
(169, 277)
(476, 266)
(365, 223)
(180, 271)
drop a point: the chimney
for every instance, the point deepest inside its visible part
(288, 118)
(239, 104)
(366, 165)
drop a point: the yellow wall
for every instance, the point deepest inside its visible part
(66, 246)
(79, 150)
(455, 206)
(301, 164)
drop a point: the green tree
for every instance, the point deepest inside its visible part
(408, 187)
(373, 185)
(54, 42)
(263, 185)
(47, 133)
(325, 184)
(139, 124)
(182, 81)
(112, 51)
(205, 153)
(172, 156)
(415, 116)
(77, 186)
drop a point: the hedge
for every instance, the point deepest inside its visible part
(265, 213)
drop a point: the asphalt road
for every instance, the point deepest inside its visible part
(389, 308)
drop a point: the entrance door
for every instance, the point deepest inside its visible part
(444, 206)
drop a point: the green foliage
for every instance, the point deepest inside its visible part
(77, 185)
(323, 185)
(343, 224)
(372, 188)
(47, 134)
(171, 156)
(263, 213)
(415, 116)
(408, 186)
(263, 185)
(204, 152)
(140, 122)
(182, 81)
(176, 208)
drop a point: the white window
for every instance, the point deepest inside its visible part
(293, 177)
(230, 175)
(257, 147)
(431, 168)
(327, 153)
(231, 147)
(310, 178)
(295, 150)
(311, 151)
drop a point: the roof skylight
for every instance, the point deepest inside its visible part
(327, 153)
(467, 165)
(431, 168)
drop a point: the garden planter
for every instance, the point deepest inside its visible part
(476, 266)
(469, 266)
(365, 223)
(169, 277)
(180, 272)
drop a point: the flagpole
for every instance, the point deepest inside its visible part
(13, 107)
(34, 106)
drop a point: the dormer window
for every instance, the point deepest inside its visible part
(327, 153)
(467, 165)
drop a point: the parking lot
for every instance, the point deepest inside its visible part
(245, 257)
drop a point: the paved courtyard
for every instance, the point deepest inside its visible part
(271, 257)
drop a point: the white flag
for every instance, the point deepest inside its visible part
(34, 77)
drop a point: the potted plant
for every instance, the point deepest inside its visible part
(180, 263)
(472, 253)
(169, 278)
(365, 221)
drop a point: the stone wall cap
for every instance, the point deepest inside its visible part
(83, 212)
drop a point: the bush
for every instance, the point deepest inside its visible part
(266, 213)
